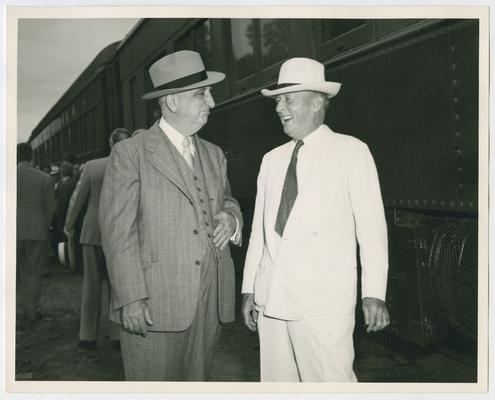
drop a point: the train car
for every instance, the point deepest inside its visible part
(409, 90)
(82, 119)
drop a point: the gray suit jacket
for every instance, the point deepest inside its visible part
(150, 232)
(35, 203)
(88, 192)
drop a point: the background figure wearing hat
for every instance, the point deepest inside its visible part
(315, 194)
(35, 203)
(86, 199)
(166, 217)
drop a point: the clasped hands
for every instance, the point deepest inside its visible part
(225, 228)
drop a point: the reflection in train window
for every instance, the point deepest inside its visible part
(243, 39)
(198, 39)
(332, 28)
(274, 40)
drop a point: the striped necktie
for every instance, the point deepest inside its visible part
(186, 151)
(289, 192)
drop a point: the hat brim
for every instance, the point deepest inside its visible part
(213, 77)
(329, 88)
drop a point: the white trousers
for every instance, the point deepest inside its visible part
(316, 349)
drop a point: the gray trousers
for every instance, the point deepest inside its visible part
(94, 274)
(30, 260)
(177, 356)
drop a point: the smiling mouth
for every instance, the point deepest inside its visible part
(285, 118)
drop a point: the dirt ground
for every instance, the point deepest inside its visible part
(49, 351)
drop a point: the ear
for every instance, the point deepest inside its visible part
(317, 103)
(172, 102)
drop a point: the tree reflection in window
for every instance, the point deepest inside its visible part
(243, 40)
(274, 40)
(331, 28)
(198, 39)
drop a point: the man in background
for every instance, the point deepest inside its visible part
(87, 197)
(35, 204)
(63, 193)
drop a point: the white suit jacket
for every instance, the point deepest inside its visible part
(311, 270)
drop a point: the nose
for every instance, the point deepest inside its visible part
(280, 106)
(209, 99)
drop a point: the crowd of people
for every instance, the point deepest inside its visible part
(159, 218)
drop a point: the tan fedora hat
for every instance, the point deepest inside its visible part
(298, 74)
(178, 72)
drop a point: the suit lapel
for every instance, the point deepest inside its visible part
(308, 188)
(160, 156)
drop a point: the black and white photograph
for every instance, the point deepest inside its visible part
(244, 195)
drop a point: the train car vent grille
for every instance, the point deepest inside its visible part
(453, 265)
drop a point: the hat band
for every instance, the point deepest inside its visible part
(185, 81)
(283, 85)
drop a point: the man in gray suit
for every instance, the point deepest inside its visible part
(87, 194)
(167, 216)
(35, 204)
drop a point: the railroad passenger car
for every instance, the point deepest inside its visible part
(82, 119)
(409, 90)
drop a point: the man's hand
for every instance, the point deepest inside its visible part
(136, 316)
(248, 311)
(375, 314)
(225, 228)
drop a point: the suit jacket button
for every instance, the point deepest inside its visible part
(195, 231)
(197, 262)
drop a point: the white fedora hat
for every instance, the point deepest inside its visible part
(178, 72)
(298, 74)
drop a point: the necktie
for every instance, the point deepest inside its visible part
(289, 192)
(186, 151)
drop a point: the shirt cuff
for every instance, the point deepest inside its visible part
(235, 238)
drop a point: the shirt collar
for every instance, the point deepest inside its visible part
(313, 137)
(174, 135)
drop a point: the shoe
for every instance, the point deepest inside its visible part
(116, 344)
(87, 344)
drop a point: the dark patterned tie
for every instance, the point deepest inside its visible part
(289, 192)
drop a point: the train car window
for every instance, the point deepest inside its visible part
(332, 28)
(202, 42)
(274, 40)
(198, 39)
(243, 36)
(336, 36)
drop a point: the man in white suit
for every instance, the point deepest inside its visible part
(316, 194)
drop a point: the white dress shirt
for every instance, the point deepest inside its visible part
(177, 139)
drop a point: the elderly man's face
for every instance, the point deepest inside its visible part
(194, 107)
(296, 113)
